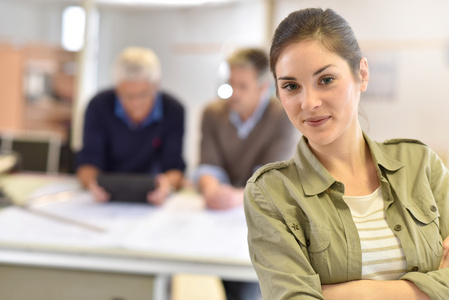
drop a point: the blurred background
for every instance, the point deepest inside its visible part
(56, 54)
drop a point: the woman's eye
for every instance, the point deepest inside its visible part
(326, 80)
(290, 86)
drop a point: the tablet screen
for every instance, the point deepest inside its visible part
(127, 187)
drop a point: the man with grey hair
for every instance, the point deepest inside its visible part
(133, 128)
(239, 135)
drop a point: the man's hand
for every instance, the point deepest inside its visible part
(162, 191)
(223, 197)
(87, 175)
(99, 193)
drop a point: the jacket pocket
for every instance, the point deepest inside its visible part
(314, 237)
(315, 240)
(426, 217)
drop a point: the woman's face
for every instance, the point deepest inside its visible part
(319, 92)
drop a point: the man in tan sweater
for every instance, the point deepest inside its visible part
(239, 135)
(243, 132)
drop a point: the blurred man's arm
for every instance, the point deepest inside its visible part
(172, 162)
(212, 179)
(208, 184)
(87, 175)
(219, 196)
(91, 158)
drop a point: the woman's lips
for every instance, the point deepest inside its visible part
(317, 121)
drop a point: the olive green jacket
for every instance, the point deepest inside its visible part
(301, 233)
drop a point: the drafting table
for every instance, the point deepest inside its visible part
(121, 239)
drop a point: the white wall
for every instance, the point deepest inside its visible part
(27, 21)
(414, 32)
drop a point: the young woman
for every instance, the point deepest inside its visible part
(347, 217)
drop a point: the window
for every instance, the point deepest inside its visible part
(73, 25)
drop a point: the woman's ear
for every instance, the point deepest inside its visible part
(364, 74)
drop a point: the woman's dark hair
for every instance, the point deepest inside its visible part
(327, 27)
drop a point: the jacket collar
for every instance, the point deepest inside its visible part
(380, 156)
(314, 177)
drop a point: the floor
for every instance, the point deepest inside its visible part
(197, 287)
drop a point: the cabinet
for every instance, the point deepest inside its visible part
(36, 88)
(12, 104)
(33, 283)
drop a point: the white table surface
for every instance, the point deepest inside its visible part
(180, 237)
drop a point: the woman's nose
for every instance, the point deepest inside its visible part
(310, 100)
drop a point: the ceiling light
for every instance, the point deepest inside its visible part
(163, 2)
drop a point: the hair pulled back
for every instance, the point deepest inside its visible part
(325, 26)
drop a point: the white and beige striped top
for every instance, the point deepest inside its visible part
(382, 254)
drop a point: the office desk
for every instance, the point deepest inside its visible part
(138, 240)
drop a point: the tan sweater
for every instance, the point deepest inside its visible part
(272, 139)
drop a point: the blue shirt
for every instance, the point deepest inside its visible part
(243, 128)
(155, 115)
(110, 144)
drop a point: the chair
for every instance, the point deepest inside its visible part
(9, 162)
(39, 151)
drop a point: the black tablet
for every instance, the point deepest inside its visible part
(127, 187)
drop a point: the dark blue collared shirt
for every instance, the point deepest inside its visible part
(155, 115)
(112, 145)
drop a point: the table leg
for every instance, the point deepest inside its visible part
(161, 287)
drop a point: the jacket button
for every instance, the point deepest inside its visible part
(433, 208)
(398, 227)
(415, 269)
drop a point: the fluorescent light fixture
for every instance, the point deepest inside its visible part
(163, 2)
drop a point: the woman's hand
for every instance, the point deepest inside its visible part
(445, 259)
(373, 290)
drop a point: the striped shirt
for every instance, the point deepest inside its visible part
(382, 254)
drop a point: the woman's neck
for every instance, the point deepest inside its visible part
(349, 161)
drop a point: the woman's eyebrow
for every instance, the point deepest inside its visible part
(314, 74)
(322, 69)
(286, 78)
